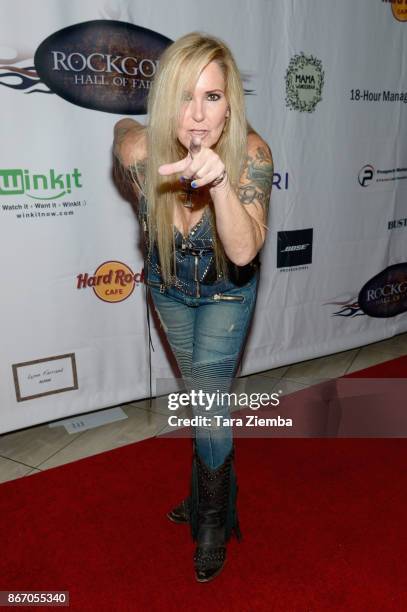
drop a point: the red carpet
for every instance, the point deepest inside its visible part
(395, 368)
(322, 521)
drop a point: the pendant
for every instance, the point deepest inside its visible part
(188, 200)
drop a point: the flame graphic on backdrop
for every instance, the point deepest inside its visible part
(350, 308)
(18, 72)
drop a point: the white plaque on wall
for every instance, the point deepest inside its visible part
(41, 377)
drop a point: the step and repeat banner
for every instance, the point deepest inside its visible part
(326, 86)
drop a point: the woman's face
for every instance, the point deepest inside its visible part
(205, 109)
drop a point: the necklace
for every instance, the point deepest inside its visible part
(188, 199)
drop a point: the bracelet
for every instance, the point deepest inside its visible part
(219, 179)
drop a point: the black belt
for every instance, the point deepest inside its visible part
(238, 275)
(195, 250)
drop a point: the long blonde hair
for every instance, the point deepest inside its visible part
(178, 71)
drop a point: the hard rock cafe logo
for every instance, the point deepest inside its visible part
(113, 281)
(398, 8)
(304, 81)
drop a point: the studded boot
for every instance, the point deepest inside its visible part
(213, 514)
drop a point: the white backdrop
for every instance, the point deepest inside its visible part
(326, 84)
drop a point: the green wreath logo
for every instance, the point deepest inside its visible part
(304, 81)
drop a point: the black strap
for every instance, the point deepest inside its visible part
(150, 342)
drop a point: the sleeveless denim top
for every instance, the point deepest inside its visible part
(195, 273)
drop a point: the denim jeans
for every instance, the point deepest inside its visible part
(207, 336)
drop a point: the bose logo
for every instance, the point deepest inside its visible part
(296, 247)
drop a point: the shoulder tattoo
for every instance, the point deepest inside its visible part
(257, 179)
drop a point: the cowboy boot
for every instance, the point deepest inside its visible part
(213, 515)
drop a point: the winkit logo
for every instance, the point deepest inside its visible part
(44, 186)
(113, 281)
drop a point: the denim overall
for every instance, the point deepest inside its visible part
(206, 318)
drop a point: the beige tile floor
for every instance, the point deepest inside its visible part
(38, 448)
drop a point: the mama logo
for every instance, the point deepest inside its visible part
(304, 81)
(113, 281)
(102, 65)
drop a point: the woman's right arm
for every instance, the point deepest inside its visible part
(129, 144)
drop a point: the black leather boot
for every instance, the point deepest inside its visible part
(181, 513)
(213, 514)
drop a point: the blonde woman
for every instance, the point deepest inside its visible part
(203, 182)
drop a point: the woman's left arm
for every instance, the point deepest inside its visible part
(241, 217)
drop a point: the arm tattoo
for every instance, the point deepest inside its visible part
(258, 179)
